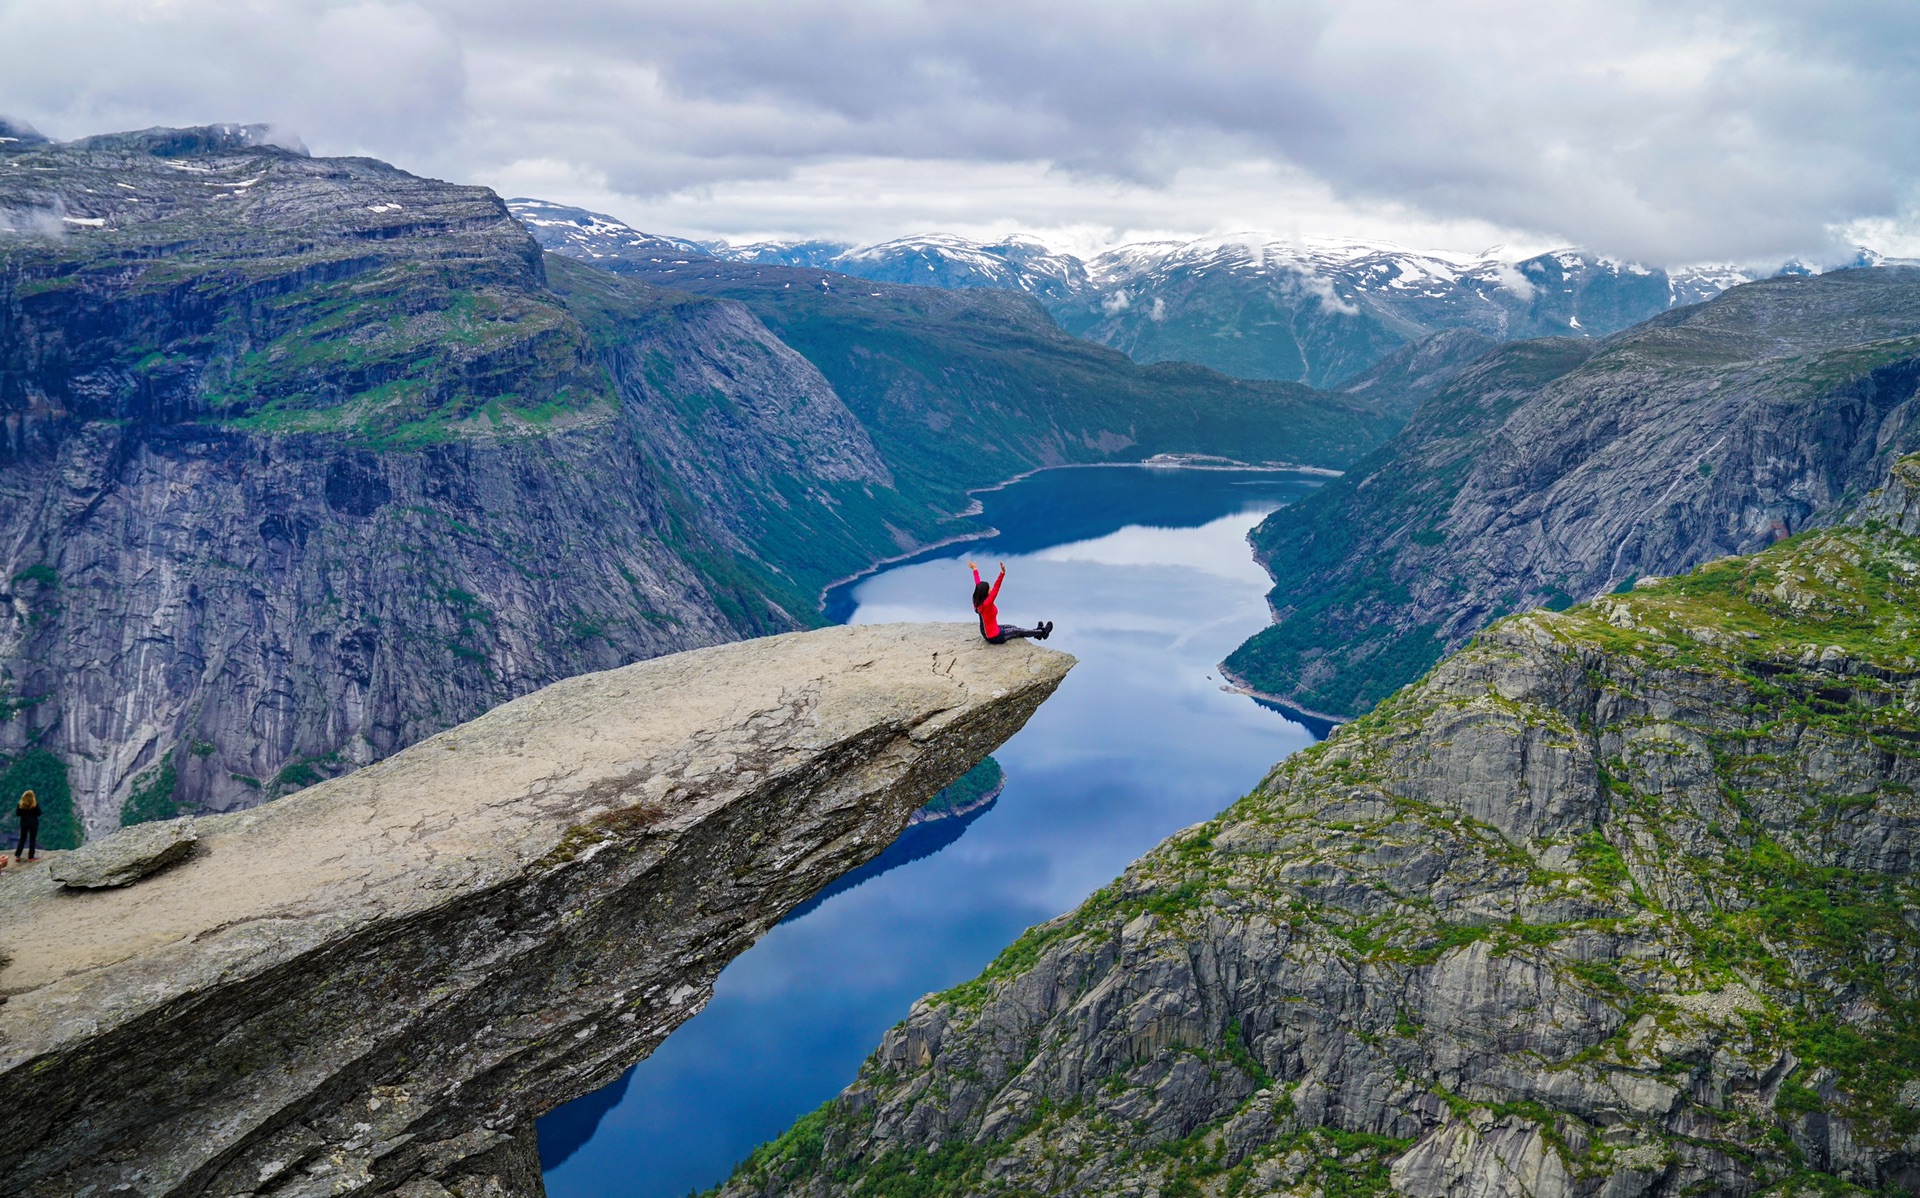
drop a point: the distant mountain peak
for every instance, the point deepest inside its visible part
(18, 134)
(580, 233)
(164, 142)
(1317, 310)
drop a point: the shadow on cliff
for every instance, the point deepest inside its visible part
(566, 1129)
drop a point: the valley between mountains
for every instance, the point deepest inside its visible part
(307, 459)
(1607, 890)
(1616, 901)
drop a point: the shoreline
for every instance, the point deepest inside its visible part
(921, 816)
(1240, 686)
(1159, 461)
(883, 563)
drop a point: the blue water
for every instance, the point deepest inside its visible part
(1149, 578)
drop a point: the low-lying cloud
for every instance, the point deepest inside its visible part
(1662, 132)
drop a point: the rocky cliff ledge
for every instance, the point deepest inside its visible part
(374, 986)
(1617, 902)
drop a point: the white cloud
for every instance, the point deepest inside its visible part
(1511, 280)
(1661, 132)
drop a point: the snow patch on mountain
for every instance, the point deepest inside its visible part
(1315, 310)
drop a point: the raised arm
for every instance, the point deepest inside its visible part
(995, 592)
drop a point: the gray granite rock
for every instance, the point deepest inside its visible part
(127, 856)
(376, 985)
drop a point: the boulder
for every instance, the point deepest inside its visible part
(127, 856)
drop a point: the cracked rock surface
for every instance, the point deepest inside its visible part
(376, 985)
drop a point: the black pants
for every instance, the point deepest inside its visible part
(1008, 633)
(29, 841)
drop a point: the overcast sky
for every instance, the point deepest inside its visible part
(1664, 132)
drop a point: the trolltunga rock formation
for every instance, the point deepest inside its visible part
(376, 985)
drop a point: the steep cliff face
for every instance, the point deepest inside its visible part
(1618, 901)
(1550, 471)
(375, 986)
(219, 618)
(304, 459)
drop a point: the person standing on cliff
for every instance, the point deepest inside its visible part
(29, 812)
(991, 628)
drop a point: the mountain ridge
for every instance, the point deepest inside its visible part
(1549, 471)
(1317, 311)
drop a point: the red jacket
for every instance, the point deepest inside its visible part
(988, 613)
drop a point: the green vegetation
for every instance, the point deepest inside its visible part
(961, 390)
(12, 705)
(155, 795)
(46, 775)
(299, 774)
(968, 789)
(408, 356)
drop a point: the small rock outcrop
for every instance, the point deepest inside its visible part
(376, 985)
(126, 856)
(1618, 902)
(1898, 502)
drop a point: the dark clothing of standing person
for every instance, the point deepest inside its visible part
(984, 606)
(29, 813)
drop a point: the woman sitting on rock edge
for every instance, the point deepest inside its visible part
(991, 628)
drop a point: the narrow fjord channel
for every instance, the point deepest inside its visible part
(1149, 577)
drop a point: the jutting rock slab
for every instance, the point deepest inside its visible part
(376, 985)
(127, 856)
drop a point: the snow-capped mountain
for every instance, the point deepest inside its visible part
(942, 260)
(932, 260)
(578, 233)
(1313, 311)
(819, 254)
(1322, 312)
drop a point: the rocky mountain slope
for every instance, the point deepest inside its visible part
(1554, 470)
(302, 460)
(1616, 902)
(1409, 376)
(376, 986)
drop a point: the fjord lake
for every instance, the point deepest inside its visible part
(1149, 579)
